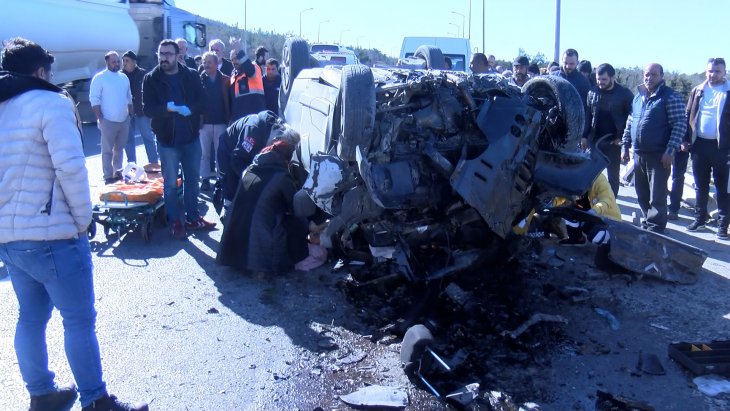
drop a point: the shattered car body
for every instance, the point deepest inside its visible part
(431, 169)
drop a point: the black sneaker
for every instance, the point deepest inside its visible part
(60, 400)
(722, 233)
(111, 403)
(696, 225)
(672, 215)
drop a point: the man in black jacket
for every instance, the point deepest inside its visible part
(174, 99)
(609, 105)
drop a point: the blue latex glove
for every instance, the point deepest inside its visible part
(184, 111)
(172, 107)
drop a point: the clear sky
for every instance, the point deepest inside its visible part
(679, 34)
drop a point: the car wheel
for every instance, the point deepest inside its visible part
(433, 56)
(295, 58)
(566, 126)
(357, 110)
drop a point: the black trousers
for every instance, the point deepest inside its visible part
(709, 161)
(681, 158)
(650, 181)
(613, 152)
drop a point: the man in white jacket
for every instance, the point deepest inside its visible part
(45, 209)
(111, 100)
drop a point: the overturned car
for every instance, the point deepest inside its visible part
(431, 169)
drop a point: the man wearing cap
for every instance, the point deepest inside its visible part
(111, 100)
(247, 87)
(519, 71)
(139, 122)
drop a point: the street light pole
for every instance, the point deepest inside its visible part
(484, 15)
(469, 21)
(300, 19)
(463, 21)
(557, 30)
(319, 27)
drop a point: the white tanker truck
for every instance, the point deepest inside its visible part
(79, 32)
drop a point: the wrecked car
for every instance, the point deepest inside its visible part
(430, 169)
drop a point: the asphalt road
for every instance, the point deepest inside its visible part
(182, 333)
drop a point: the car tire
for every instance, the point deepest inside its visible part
(357, 110)
(433, 56)
(295, 58)
(558, 92)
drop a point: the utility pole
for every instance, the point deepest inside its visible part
(469, 22)
(557, 31)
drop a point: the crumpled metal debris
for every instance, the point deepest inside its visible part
(377, 396)
(464, 395)
(536, 318)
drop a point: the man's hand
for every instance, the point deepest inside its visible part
(667, 160)
(235, 42)
(625, 156)
(584, 144)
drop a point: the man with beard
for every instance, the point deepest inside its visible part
(570, 72)
(111, 100)
(225, 66)
(519, 71)
(261, 57)
(708, 113)
(174, 99)
(609, 105)
(655, 129)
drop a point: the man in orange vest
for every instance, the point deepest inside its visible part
(247, 87)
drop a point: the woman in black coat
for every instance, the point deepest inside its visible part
(262, 234)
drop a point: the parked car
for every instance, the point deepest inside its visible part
(426, 168)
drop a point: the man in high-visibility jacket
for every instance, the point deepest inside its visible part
(247, 87)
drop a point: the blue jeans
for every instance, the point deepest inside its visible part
(172, 159)
(47, 274)
(142, 124)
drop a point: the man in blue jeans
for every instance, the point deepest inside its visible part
(174, 99)
(45, 209)
(139, 121)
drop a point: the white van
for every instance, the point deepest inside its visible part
(457, 49)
